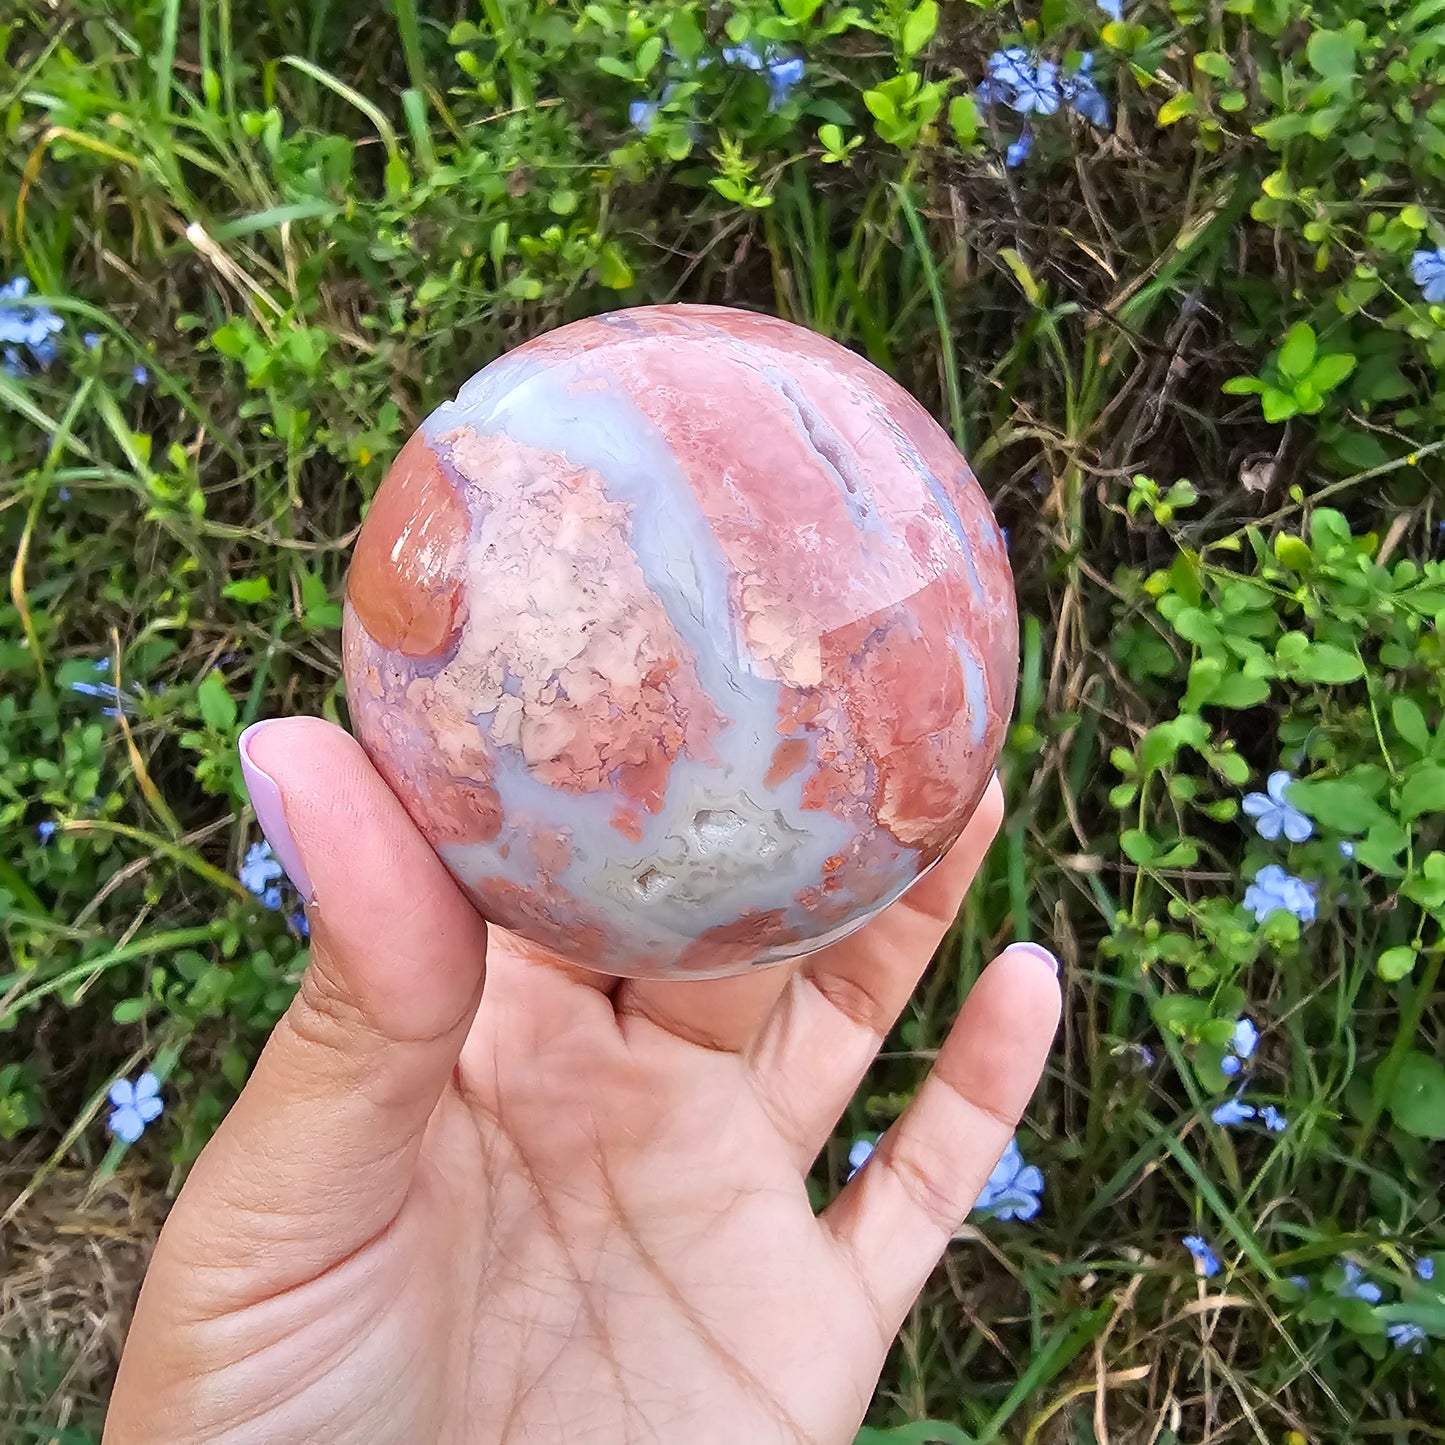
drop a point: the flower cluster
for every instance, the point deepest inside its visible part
(26, 323)
(117, 700)
(782, 72)
(1427, 270)
(1030, 85)
(1014, 1190)
(1242, 1044)
(1236, 1111)
(134, 1106)
(1274, 889)
(261, 874)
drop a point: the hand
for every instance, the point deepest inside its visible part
(560, 1208)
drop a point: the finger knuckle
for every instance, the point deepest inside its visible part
(932, 1179)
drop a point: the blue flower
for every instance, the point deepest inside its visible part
(91, 339)
(1089, 101)
(11, 362)
(1300, 1283)
(1018, 152)
(1038, 94)
(1009, 69)
(46, 830)
(1347, 849)
(1407, 1336)
(1082, 92)
(27, 323)
(1273, 814)
(1425, 1267)
(783, 75)
(1427, 268)
(1229, 1066)
(1204, 1257)
(642, 114)
(859, 1154)
(1233, 1111)
(747, 55)
(1244, 1038)
(1273, 890)
(299, 924)
(1273, 1120)
(1014, 1188)
(1355, 1286)
(116, 700)
(140, 376)
(271, 898)
(136, 1105)
(1114, 9)
(259, 871)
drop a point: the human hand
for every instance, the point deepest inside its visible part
(563, 1207)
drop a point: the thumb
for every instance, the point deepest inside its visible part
(316, 1156)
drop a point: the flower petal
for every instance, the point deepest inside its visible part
(127, 1125)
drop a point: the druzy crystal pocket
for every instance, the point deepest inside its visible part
(686, 637)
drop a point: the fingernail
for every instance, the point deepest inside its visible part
(1039, 952)
(271, 812)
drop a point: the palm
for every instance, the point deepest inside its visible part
(599, 1230)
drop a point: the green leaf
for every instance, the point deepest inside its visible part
(218, 707)
(1278, 405)
(316, 603)
(963, 117)
(612, 268)
(1239, 690)
(1417, 1098)
(1243, 386)
(920, 1432)
(1138, 846)
(1178, 107)
(1321, 662)
(1329, 371)
(918, 28)
(1427, 888)
(1297, 354)
(1422, 791)
(1293, 552)
(648, 54)
(248, 589)
(880, 105)
(130, 1010)
(1339, 804)
(1396, 963)
(1410, 724)
(1331, 53)
(1197, 627)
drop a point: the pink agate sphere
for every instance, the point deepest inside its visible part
(686, 637)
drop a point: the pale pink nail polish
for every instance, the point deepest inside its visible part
(271, 813)
(1039, 952)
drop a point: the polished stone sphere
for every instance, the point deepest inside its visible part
(685, 636)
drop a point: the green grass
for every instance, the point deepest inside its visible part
(311, 224)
